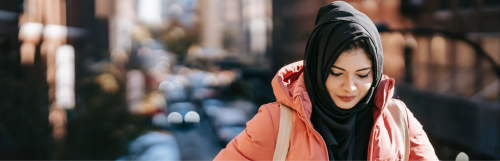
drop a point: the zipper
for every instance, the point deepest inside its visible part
(316, 132)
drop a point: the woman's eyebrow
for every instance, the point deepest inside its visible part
(356, 70)
(339, 68)
(363, 69)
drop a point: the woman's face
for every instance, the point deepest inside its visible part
(350, 78)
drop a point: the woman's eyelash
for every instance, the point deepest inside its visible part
(335, 74)
(364, 76)
(361, 76)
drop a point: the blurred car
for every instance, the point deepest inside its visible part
(230, 122)
(183, 115)
(153, 146)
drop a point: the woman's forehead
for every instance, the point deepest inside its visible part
(354, 59)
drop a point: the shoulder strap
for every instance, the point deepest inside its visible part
(398, 115)
(282, 143)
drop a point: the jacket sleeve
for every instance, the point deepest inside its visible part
(420, 146)
(256, 142)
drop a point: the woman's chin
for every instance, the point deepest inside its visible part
(344, 105)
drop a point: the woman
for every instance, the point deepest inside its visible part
(339, 99)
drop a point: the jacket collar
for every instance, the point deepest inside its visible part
(290, 90)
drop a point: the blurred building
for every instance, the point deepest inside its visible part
(20, 111)
(83, 77)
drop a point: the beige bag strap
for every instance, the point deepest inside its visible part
(282, 143)
(399, 118)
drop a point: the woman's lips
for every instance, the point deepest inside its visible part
(347, 98)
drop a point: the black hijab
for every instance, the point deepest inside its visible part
(346, 132)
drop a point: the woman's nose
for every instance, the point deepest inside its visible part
(349, 85)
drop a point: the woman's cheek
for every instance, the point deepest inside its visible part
(366, 88)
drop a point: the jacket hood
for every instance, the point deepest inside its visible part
(289, 89)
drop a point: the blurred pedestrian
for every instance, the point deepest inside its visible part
(341, 101)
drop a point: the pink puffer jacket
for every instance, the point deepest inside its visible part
(258, 140)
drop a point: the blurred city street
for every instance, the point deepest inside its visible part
(179, 79)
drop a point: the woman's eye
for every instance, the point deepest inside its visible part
(364, 76)
(335, 74)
